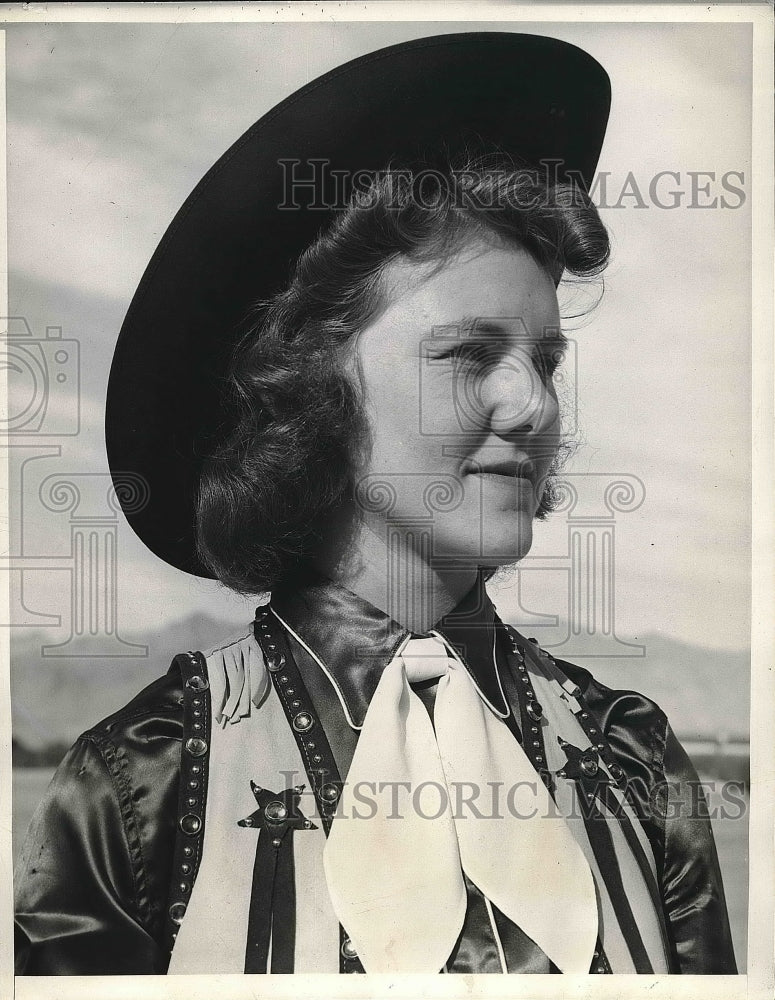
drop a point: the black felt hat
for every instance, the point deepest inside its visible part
(235, 239)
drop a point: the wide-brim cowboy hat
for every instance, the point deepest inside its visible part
(237, 236)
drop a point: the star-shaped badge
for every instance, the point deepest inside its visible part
(277, 813)
(583, 767)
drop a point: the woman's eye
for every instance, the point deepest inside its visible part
(547, 362)
(475, 354)
(483, 356)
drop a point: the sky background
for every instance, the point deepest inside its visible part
(110, 127)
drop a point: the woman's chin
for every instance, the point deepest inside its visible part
(499, 544)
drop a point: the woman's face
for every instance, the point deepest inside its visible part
(457, 376)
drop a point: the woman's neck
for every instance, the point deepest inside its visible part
(396, 578)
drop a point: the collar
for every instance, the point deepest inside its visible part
(353, 641)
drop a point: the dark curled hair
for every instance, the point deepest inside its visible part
(298, 427)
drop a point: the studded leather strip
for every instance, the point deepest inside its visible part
(530, 709)
(192, 793)
(311, 739)
(531, 712)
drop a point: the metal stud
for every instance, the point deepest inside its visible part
(303, 722)
(295, 704)
(348, 949)
(197, 683)
(190, 824)
(276, 662)
(177, 912)
(275, 811)
(191, 802)
(196, 747)
(185, 869)
(330, 793)
(188, 851)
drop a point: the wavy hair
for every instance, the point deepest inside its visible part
(297, 423)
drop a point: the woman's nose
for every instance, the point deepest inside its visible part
(519, 397)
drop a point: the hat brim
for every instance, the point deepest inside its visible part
(234, 241)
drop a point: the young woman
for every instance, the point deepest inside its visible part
(377, 774)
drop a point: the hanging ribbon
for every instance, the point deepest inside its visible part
(272, 916)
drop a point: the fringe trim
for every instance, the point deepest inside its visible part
(239, 679)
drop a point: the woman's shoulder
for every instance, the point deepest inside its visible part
(156, 711)
(615, 707)
(636, 729)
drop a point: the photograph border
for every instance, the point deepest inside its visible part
(760, 977)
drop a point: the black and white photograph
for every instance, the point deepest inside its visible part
(388, 563)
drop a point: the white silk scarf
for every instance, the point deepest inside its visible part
(397, 885)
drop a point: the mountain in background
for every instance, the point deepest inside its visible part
(704, 692)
